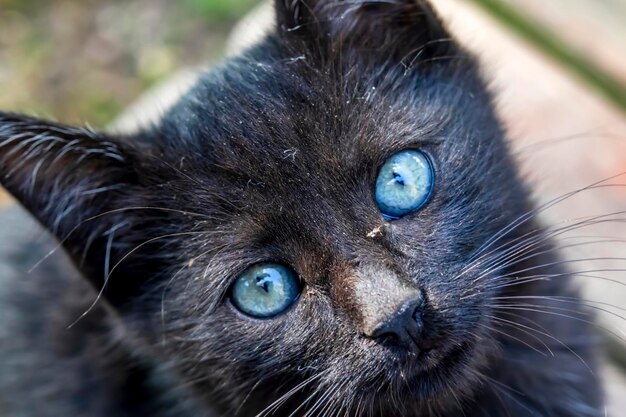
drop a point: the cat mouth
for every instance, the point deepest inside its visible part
(424, 376)
(436, 368)
(432, 359)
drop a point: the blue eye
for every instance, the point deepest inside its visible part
(404, 184)
(265, 290)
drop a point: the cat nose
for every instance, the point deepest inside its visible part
(402, 328)
(386, 305)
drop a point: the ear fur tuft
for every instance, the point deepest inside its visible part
(391, 29)
(64, 176)
(55, 170)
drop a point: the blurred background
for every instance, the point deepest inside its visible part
(557, 67)
(86, 60)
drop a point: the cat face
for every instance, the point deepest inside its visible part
(247, 235)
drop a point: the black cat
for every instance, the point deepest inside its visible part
(328, 225)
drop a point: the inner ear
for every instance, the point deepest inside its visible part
(69, 178)
(400, 30)
(57, 171)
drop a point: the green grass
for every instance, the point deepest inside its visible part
(220, 10)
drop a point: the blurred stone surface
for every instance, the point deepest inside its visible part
(615, 386)
(148, 108)
(5, 199)
(595, 29)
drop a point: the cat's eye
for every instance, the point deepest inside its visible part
(265, 290)
(405, 183)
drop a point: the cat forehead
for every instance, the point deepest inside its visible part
(276, 110)
(274, 126)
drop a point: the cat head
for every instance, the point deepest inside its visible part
(304, 224)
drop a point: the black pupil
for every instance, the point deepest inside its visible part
(262, 281)
(398, 178)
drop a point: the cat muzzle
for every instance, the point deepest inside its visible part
(402, 329)
(390, 308)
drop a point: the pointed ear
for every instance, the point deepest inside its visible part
(399, 30)
(58, 171)
(65, 175)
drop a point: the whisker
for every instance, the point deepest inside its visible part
(106, 213)
(285, 397)
(513, 282)
(128, 254)
(566, 300)
(564, 262)
(537, 310)
(492, 329)
(534, 212)
(537, 237)
(522, 326)
(500, 386)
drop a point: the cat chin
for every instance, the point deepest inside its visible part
(436, 372)
(436, 380)
(436, 377)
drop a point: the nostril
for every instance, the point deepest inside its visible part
(417, 315)
(387, 338)
(388, 331)
(403, 328)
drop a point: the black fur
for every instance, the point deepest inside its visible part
(273, 157)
